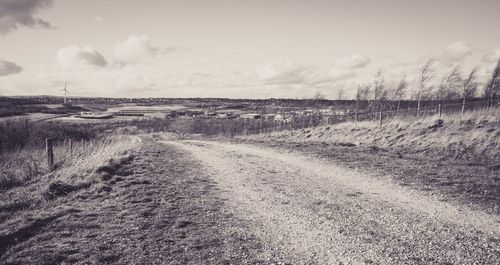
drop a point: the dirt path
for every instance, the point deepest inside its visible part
(311, 212)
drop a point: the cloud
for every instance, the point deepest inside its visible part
(289, 73)
(97, 19)
(280, 72)
(456, 52)
(9, 68)
(135, 49)
(74, 56)
(355, 61)
(22, 12)
(339, 74)
(492, 56)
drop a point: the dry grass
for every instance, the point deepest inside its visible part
(31, 196)
(26, 182)
(21, 166)
(471, 136)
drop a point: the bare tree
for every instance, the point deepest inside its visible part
(182, 127)
(492, 88)
(426, 75)
(450, 85)
(380, 91)
(340, 94)
(318, 96)
(469, 86)
(362, 94)
(400, 91)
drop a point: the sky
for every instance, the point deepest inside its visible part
(237, 48)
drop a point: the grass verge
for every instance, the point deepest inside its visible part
(473, 136)
(26, 182)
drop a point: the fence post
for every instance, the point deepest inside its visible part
(439, 110)
(71, 146)
(380, 117)
(50, 153)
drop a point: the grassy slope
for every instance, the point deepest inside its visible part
(27, 184)
(473, 136)
(456, 160)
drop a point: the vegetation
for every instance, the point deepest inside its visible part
(23, 155)
(472, 136)
(76, 161)
(20, 134)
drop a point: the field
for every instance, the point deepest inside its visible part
(195, 190)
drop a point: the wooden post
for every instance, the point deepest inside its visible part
(356, 112)
(260, 124)
(439, 110)
(50, 153)
(380, 117)
(71, 146)
(418, 103)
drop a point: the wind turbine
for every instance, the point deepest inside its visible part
(65, 92)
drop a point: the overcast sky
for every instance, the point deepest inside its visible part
(231, 48)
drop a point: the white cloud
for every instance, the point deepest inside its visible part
(456, 52)
(280, 72)
(135, 49)
(21, 12)
(97, 19)
(74, 56)
(339, 74)
(492, 56)
(355, 61)
(300, 77)
(9, 68)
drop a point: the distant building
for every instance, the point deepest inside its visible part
(279, 117)
(250, 116)
(93, 115)
(222, 115)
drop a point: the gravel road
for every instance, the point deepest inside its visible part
(308, 211)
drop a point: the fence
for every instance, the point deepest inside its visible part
(58, 151)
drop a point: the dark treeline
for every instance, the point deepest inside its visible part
(22, 106)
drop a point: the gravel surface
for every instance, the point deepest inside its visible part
(305, 210)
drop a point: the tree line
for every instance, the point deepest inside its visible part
(453, 85)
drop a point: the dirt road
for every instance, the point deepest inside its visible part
(207, 202)
(306, 211)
